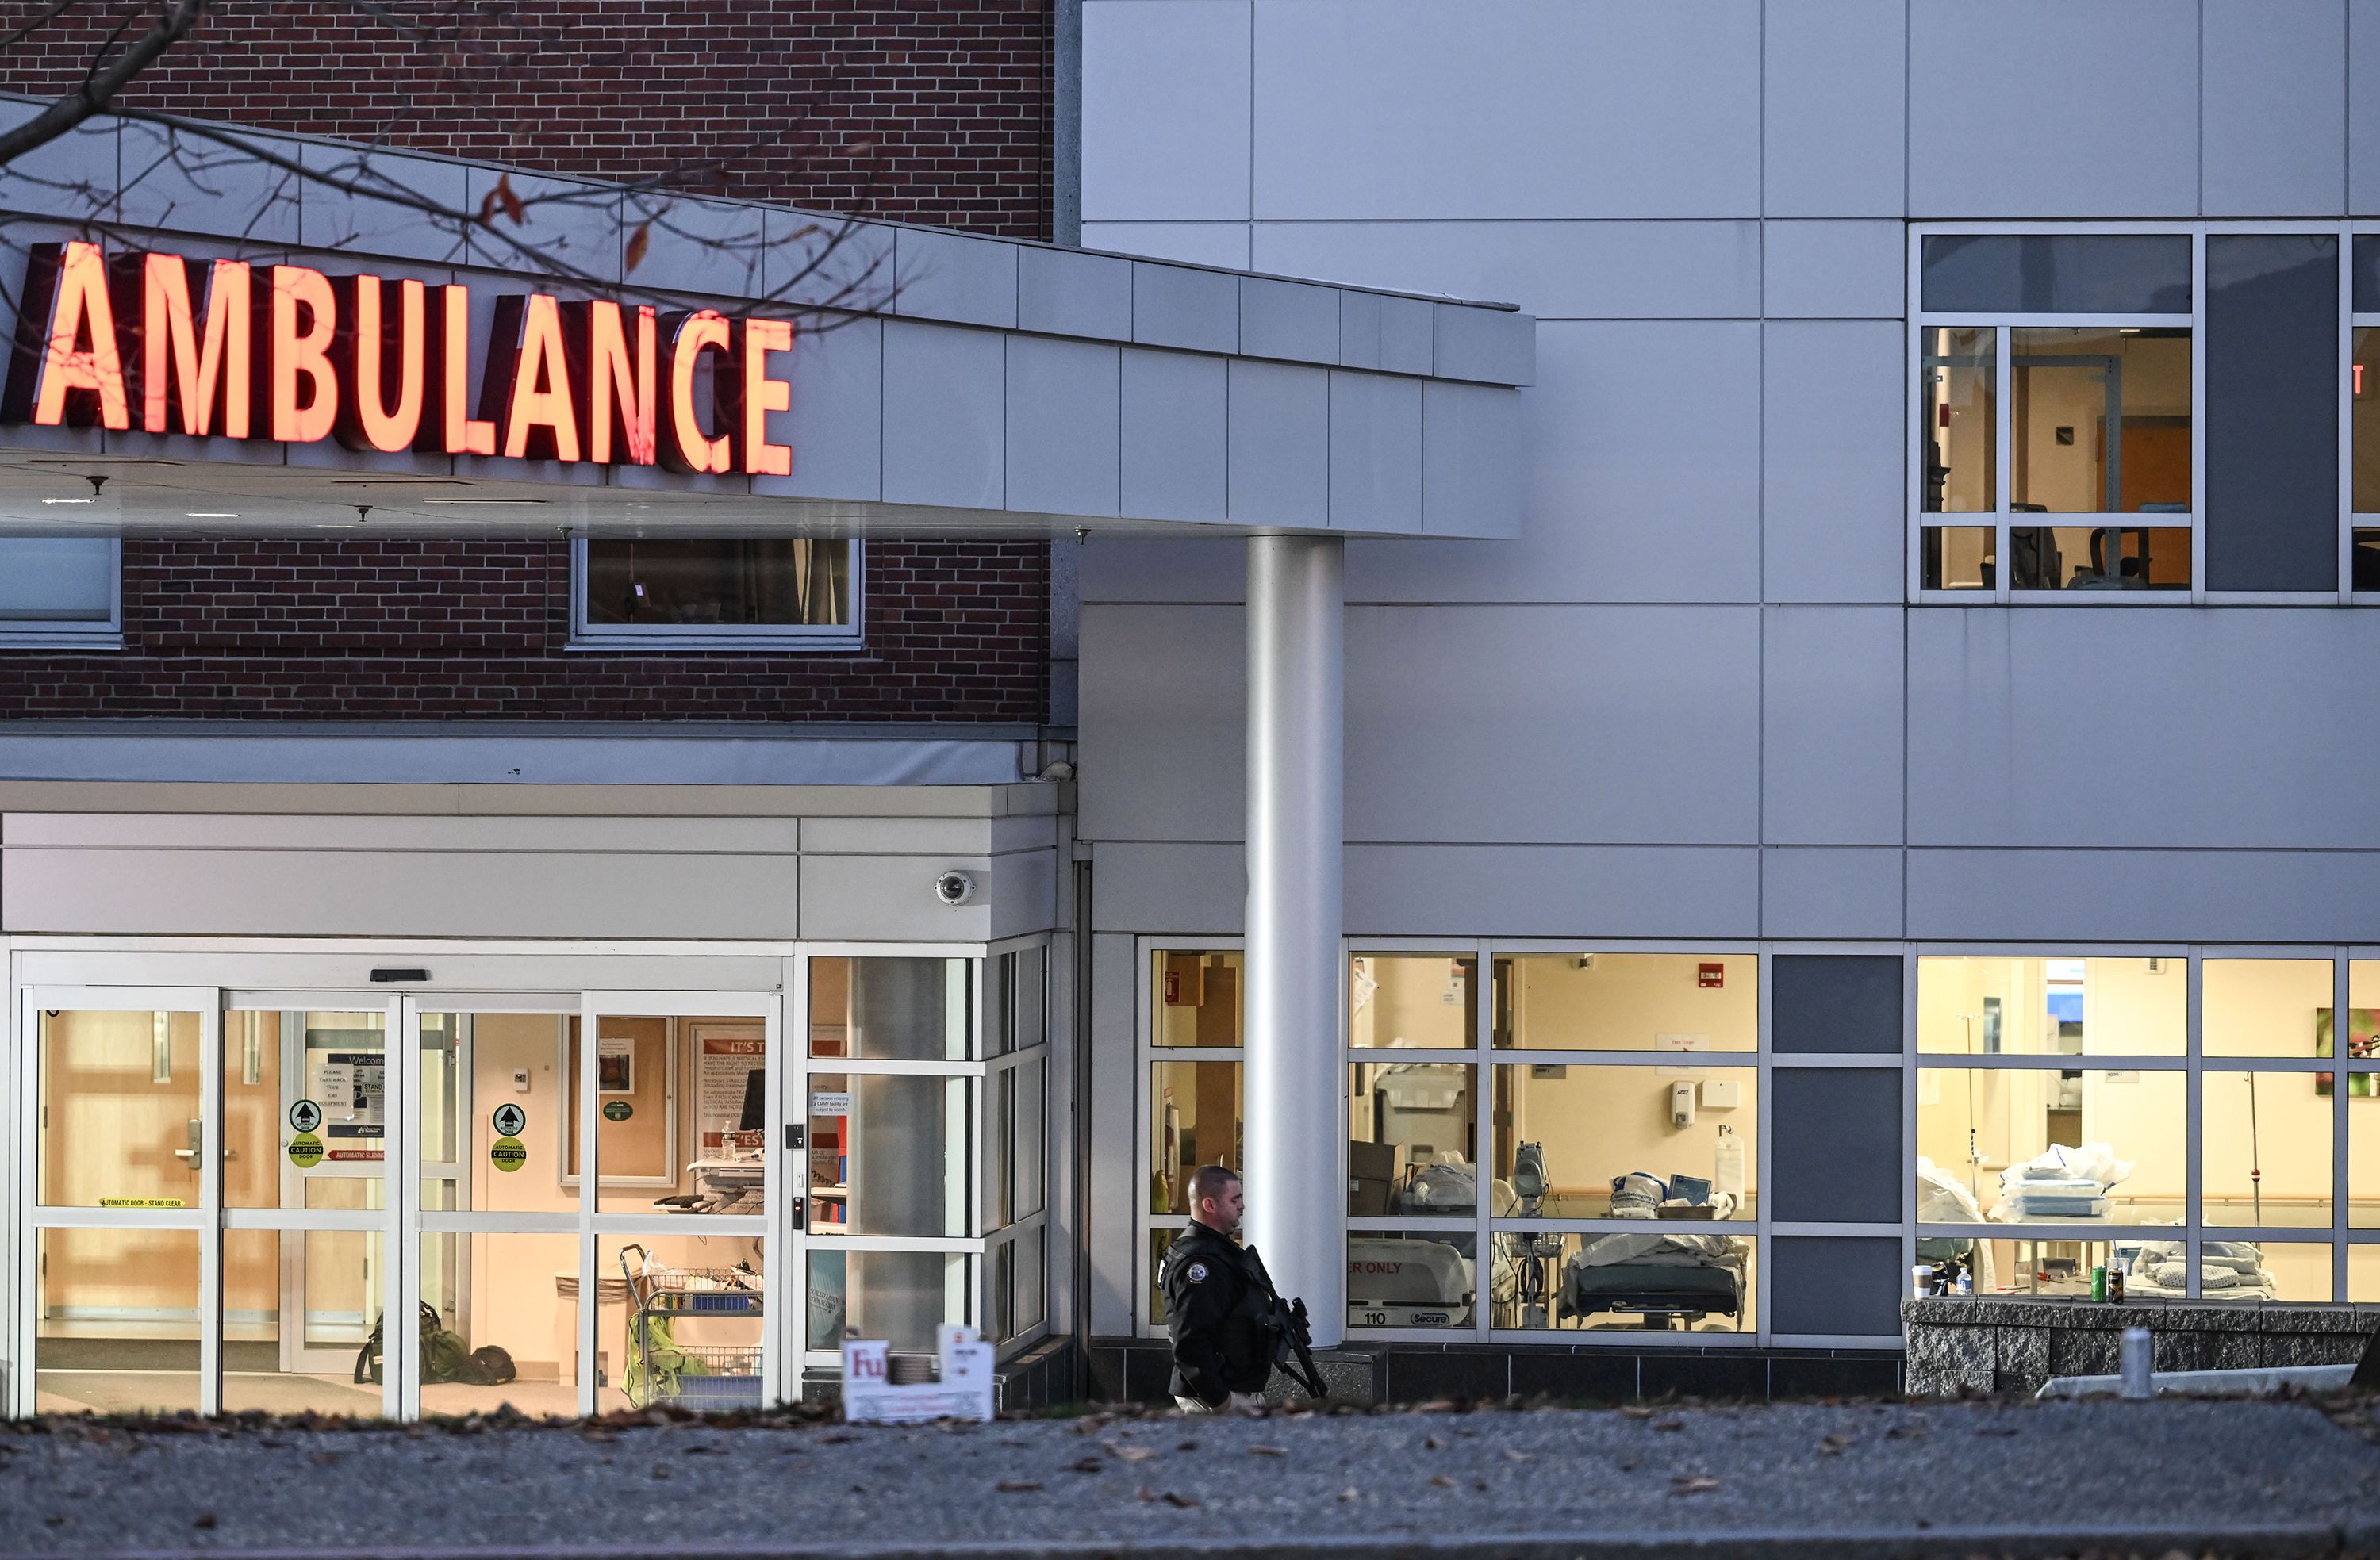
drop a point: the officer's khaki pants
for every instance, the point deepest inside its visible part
(1239, 1402)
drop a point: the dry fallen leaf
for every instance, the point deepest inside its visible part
(1441, 1481)
(1268, 1451)
(1692, 1484)
(1431, 1443)
(1668, 1424)
(1016, 1486)
(1133, 1454)
(1830, 1446)
(1171, 1498)
(1087, 1465)
(1633, 1412)
(638, 242)
(1350, 1493)
(1518, 1456)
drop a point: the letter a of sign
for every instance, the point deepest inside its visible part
(529, 387)
(67, 368)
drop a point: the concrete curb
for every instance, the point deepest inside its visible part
(2014, 1542)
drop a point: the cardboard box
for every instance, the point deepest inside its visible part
(1367, 1197)
(1375, 1161)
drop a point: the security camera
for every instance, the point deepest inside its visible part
(954, 887)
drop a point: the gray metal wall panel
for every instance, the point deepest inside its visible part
(1552, 890)
(1171, 890)
(1064, 427)
(1834, 1146)
(2363, 106)
(944, 415)
(2198, 742)
(2092, 109)
(1830, 891)
(1176, 437)
(952, 276)
(1163, 738)
(1397, 108)
(1375, 451)
(1111, 1093)
(1280, 445)
(2276, 109)
(1555, 269)
(1632, 725)
(836, 427)
(2147, 895)
(1834, 269)
(1840, 1003)
(1830, 725)
(1834, 510)
(1835, 1286)
(1834, 143)
(1165, 109)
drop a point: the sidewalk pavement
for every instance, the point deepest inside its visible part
(1852, 1480)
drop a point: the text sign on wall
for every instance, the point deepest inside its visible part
(226, 349)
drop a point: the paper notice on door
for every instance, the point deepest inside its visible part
(350, 1086)
(723, 1066)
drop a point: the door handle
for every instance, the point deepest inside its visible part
(798, 1209)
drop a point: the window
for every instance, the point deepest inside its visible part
(2094, 333)
(61, 593)
(741, 593)
(1190, 1065)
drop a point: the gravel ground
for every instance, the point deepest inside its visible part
(1849, 1479)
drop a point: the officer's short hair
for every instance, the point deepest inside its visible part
(1208, 1180)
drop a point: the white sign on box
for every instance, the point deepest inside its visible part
(963, 1392)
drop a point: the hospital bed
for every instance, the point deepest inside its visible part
(1663, 1277)
(1407, 1281)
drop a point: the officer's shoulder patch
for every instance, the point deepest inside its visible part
(1195, 1273)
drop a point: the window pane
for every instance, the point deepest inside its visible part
(2053, 1006)
(1960, 420)
(896, 1146)
(1615, 1142)
(700, 1344)
(2367, 274)
(2272, 411)
(999, 1147)
(1032, 1152)
(1196, 999)
(1413, 999)
(2235, 1270)
(291, 1330)
(2363, 390)
(891, 1009)
(1032, 1293)
(2363, 1274)
(898, 1297)
(2265, 1007)
(57, 579)
(2043, 1267)
(1673, 1275)
(2099, 558)
(2058, 274)
(116, 1322)
(1412, 1148)
(1194, 1119)
(1629, 1002)
(2072, 386)
(1960, 558)
(2362, 1153)
(2265, 1149)
(1410, 1278)
(120, 1123)
(1028, 996)
(503, 1046)
(771, 581)
(2041, 1146)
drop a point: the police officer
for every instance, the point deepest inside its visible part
(1217, 1304)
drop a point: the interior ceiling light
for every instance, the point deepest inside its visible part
(454, 503)
(210, 514)
(92, 499)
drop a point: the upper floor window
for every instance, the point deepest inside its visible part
(739, 593)
(2055, 412)
(61, 593)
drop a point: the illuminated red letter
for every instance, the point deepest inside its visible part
(371, 345)
(690, 446)
(614, 386)
(298, 348)
(180, 371)
(452, 430)
(528, 381)
(763, 394)
(68, 369)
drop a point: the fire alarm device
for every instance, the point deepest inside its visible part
(1710, 974)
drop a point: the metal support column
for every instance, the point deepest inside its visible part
(1296, 1190)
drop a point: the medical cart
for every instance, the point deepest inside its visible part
(702, 1377)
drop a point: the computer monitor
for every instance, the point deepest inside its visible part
(756, 1102)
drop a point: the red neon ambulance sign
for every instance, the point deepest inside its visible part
(226, 349)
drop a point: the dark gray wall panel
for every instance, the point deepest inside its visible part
(2272, 411)
(1834, 1154)
(1820, 1002)
(1842, 1286)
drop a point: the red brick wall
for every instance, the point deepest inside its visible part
(422, 630)
(932, 111)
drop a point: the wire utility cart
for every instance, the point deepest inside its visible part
(699, 1377)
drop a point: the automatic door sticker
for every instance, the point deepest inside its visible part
(508, 1120)
(507, 1154)
(305, 1149)
(305, 1116)
(618, 1110)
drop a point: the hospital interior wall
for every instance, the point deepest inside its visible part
(1590, 1117)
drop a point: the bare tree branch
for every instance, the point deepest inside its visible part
(100, 84)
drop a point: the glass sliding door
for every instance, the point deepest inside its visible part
(119, 1263)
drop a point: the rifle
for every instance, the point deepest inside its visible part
(1293, 1346)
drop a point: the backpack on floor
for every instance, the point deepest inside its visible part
(444, 1356)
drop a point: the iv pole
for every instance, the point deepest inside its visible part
(1975, 1155)
(2255, 1155)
